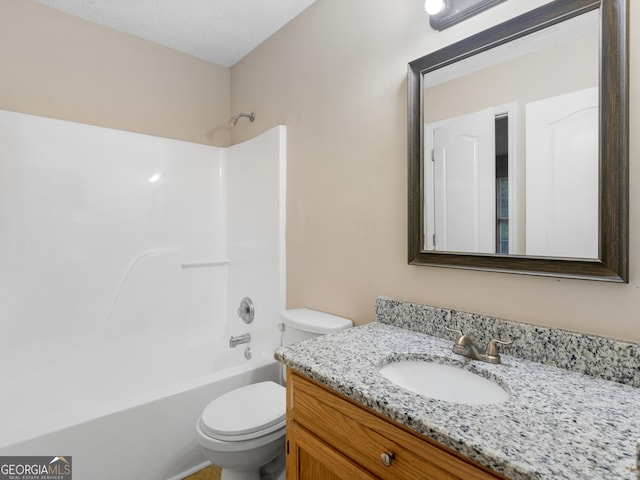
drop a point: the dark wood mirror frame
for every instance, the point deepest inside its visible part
(614, 148)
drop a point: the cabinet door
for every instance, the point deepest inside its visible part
(342, 433)
(309, 458)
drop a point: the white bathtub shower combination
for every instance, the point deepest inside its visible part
(124, 259)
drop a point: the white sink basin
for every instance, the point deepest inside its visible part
(444, 382)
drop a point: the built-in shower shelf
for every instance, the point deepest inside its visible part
(217, 263)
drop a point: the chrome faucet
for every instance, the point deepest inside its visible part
(235, 341)
(463, 345)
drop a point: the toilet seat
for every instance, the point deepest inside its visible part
(245, 413)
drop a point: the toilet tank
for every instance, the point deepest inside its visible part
(303, 323)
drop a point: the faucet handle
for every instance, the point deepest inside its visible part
(459, 333)
(492, 347)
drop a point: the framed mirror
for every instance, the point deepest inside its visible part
(518, 146)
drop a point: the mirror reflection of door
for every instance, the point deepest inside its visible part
(467, 183)
(562, 175)
(552, 62)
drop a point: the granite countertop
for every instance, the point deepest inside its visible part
(557, 424)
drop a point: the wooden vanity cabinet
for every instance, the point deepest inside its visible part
(330, 437)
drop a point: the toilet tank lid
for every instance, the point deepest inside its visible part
(314, 321)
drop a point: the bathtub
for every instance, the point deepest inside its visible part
(147, 432)
(124, 259)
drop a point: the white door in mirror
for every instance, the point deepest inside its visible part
(461, 215)
(562, 175)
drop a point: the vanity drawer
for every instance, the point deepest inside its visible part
(365, 437)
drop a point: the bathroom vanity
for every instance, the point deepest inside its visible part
(346, 420)
(331, 437)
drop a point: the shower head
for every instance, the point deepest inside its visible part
(232, 122)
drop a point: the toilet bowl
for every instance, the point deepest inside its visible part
(243, 431)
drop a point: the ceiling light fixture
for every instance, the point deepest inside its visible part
(433, 7)
(450, 12)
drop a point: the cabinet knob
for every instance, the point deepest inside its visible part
(386, 458)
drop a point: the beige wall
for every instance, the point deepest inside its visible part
(336, 76)
(535, 76)
(57, 65)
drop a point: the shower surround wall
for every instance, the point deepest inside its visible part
(123, 259)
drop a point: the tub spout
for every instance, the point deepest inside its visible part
(235, 341)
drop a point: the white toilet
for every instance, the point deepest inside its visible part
(243, 431)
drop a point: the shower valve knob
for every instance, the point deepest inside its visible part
(245, 310)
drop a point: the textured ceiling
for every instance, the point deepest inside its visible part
(219, 31)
